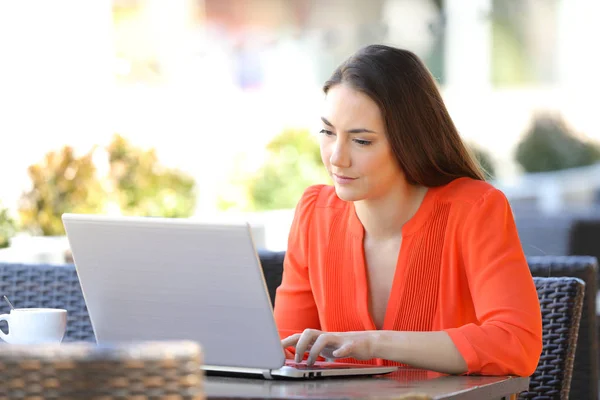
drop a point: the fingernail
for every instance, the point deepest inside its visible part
(297, 358)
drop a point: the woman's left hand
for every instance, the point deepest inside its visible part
(358, 345)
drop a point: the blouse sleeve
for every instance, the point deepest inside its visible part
(507, 340)
(295, 308)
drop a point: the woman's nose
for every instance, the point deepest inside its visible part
(340, 156)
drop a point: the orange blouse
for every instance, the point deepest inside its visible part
(461, 270)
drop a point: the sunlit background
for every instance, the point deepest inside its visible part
(193, 108)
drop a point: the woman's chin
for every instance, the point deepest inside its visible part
(347, 194)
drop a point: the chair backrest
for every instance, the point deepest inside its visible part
(561, 300)
(157, 370)
(584, 237)
(272, 266)
(54, 286)
(584, 384)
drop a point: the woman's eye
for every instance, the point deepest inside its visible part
(326, 132)
(362, 142)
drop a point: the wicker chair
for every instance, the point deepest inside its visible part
(157, 370)
(584, 237)
(584, 384)
(272, 266)
(561, 300)
(54, 286)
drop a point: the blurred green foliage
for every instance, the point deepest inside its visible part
(509, 63)
(8, 227)
(146, 188)
(550, 145)
(61, 183)
(137, 182)
(293, 163)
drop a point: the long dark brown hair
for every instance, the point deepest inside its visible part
(419, 128)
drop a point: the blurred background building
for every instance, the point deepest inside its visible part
(188, 108)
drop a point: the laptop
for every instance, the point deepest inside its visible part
(147, 278)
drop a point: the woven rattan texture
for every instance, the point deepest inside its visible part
(584, 382)
(152, 370)
(55, 286)
(561, 301)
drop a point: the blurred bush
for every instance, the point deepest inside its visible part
(8, 227)
(293, 163)
(61, 183)
(136, 182)
(144, 187)
(550, 145)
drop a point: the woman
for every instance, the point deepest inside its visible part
(411, 258)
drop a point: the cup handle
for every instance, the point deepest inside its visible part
(4, 336)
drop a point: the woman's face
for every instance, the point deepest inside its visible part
(354, 146)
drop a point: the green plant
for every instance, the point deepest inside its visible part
(550, 145)
(144, 187)
(61, 183)
(8, 227)
(136, 181)
(293, 163)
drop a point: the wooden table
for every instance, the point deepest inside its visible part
(403, 384)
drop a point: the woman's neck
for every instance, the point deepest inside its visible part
(384, 217)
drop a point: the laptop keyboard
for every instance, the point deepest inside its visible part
(321, 365)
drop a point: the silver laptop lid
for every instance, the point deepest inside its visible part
(160, 279)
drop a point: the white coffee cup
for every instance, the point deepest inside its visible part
(34, 325)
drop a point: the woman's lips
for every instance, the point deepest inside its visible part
(342, 180)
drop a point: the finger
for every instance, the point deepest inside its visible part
(324, 340)
(290, 341)
(306, 339)
(344, 351)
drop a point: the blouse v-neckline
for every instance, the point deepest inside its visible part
(357, 232)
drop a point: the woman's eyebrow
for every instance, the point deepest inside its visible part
(326, 122)
(357, 130)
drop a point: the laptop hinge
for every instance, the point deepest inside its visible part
(267, 374)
